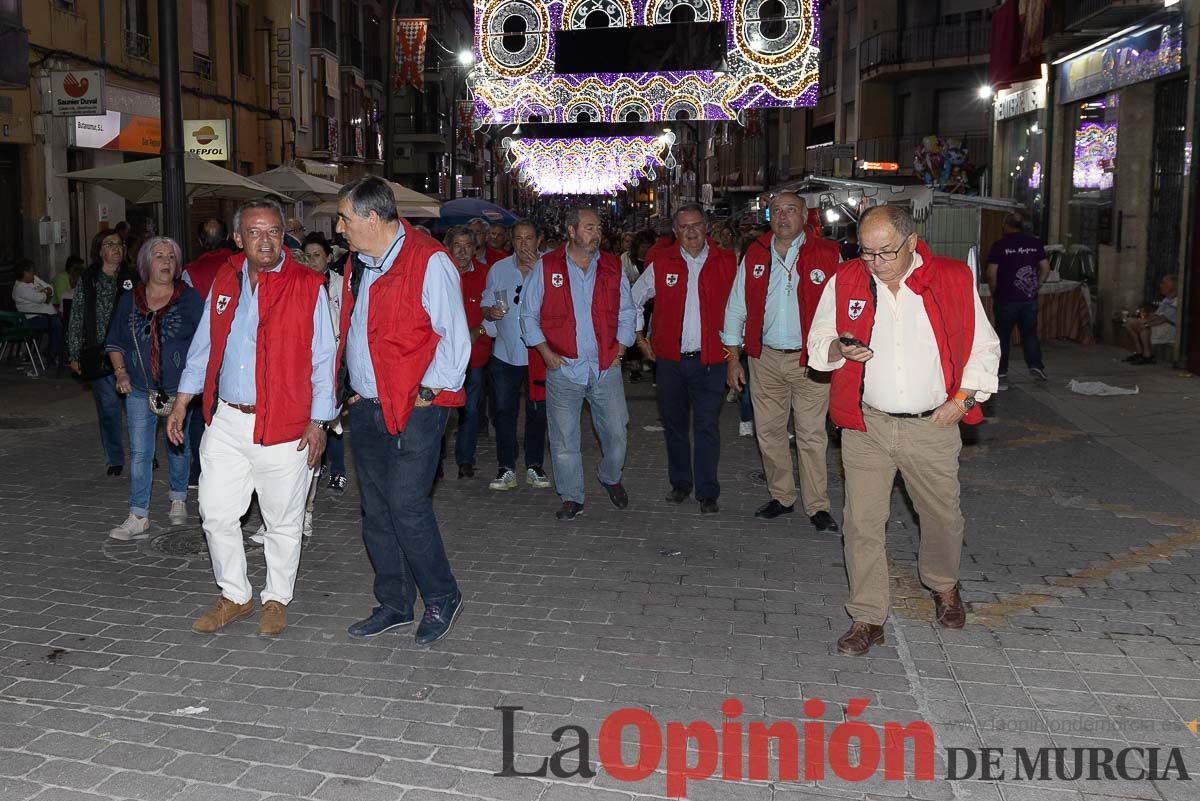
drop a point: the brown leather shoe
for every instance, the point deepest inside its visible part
(948, 608)
(859, 639)
(273, 620)
(223, 613)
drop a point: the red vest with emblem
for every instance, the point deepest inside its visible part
(400, 335)
(817, 260)
(670, 297)
(558, 309)
(947, 289)
(472, 292)
(283, 345)
(203, 270)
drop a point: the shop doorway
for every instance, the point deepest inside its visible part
(1168, 183)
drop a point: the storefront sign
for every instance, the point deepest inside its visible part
(1132, 59)
(78, 93)
(126, 133)
(879, 166)
(1021, 102)
(208, 139)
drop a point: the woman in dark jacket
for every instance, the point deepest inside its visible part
(148, 343)
(107, 278)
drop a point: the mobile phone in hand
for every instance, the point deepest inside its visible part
(851, 342)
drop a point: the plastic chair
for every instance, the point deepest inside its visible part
(16, 331)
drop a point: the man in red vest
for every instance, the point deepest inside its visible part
(770, 309)
(473, 274)
(577, 311)
(690, 284)
(406, 345)
(912, 354)
(263, 360)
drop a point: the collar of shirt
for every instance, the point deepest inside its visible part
(246, 268)
(382, 264)
(697, 260)
(594, 261)
(793, 253)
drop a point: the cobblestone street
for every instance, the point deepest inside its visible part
(1080, 570)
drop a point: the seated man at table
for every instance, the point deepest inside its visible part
(1157, 326)
(1017, 267)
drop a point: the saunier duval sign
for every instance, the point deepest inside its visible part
(208, 139)
(77, 93)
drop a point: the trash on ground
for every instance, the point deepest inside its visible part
(1098, 388)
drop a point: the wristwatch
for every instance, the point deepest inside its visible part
(966, 401)
(426, 394)
(321, 424)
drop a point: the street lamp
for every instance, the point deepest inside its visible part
(466, 58)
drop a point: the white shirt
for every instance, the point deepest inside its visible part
(30, 298)
(643, 292)
(905, 374)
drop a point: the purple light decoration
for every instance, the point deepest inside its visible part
(1035, 176)
(1095, 151)
(507, 91)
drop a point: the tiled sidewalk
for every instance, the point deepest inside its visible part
(1080, 567)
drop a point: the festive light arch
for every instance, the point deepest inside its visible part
(515, 50)
(588, 165)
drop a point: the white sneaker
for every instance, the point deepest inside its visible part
(178, 513)
(730, 396)
(505, 480)
(134, 528)
(259, 535)
(308, 524)
(537, 479)
(746, 428)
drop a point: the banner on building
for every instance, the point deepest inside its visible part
(208, 139)
(331, 133)
(466, 121)
(409, 53)
(77, 93)
(1033, 24)
(360, 142)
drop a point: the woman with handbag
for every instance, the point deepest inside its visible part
(103, 283)
(148, 344)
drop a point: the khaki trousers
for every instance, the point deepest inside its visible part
(926, 454)
(780, 387)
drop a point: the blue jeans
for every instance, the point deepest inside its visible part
(108, 411)
(335, 452)
(690, 395)
(1023, 316)
(143, 434)
(564, 404)
(395, 474)
(508, 380)
(468, 418)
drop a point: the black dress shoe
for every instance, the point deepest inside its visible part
(382, 619)
(155, 463)
(466, 471)
(115, 469)
(437, 620)
(569, 511)
(708, 506)
(616, 494)
(678, 495)
(824, 523)
(773, 509)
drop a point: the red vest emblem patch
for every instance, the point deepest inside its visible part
(556, 280)
(223, 303)
(855, 308)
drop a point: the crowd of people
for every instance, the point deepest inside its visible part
(261, 353)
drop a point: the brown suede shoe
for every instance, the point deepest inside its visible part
(948, 608)
(274, 619)
(859, 639)
(223, 613)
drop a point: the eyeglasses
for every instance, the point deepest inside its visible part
(882, 255)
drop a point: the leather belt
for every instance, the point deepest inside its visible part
(691, 354)
(907, 415)
(785, 350)
(244, 408)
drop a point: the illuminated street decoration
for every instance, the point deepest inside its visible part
(766, 67)
(1095, 152)
(588, 166)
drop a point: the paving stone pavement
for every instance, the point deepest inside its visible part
(1079, 566)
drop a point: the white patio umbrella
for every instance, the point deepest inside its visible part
(141, 181)
(298, 184)
(408, 204)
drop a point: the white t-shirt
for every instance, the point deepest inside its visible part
(31, 299)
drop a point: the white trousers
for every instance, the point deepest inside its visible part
(232, 468)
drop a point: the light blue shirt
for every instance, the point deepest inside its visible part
(505, 276)
(583, 286)
(781, 318)
(644, 289)
(441, 297)
(238, 377)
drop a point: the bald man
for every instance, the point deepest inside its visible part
(775, 294)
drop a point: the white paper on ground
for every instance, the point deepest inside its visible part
(1098, 388)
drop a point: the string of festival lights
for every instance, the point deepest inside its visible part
(588, 165)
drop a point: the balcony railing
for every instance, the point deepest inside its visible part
(322, 32)
(202, 66)
(320, 135)
(828, 77)
(925, 45)
(352, 53)
(137, 45)
(417, 124)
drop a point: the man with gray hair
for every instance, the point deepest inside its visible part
(577, 311)
(262, 359)
(912, 354)
(407, 345)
